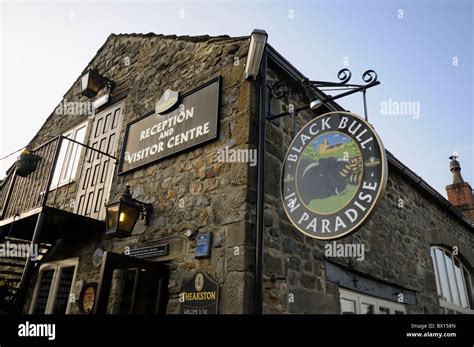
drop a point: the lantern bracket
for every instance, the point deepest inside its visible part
(145, 214)
(106, 82)
(146, 208)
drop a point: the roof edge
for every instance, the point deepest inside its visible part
(197, 38)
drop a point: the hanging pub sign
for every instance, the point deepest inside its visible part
(333, 176)
(177, 124)
(199, 296)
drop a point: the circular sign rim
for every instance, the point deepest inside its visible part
(378, 197)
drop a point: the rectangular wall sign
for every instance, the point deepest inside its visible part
(192, 121)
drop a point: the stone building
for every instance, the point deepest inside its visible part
(418, 248)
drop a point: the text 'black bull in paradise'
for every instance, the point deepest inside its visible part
(333, 175)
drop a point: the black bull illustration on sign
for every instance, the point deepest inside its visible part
(327, 177)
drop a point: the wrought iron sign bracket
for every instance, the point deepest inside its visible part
(282, 89)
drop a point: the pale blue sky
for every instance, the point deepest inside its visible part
(46, 45)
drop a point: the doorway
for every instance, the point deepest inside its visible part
(129, 285)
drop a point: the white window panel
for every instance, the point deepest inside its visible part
(69, 156)
(348, 306)
(453, 287)
(438, 285)
(443, 276)
(460, 283)
(366, 304)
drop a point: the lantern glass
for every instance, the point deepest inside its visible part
(128, 216)
(112, 217)
(121, 217)
(91, 83)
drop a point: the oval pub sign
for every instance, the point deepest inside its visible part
(333, 175)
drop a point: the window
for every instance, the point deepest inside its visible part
(452, 280)
(356, 303)
(69, 155)
(53, 287)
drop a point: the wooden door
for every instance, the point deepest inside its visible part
(97, 172)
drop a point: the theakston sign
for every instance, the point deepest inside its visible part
(193, 120)
(200, 295)
(333, 175)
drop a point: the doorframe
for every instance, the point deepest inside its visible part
(112, 261)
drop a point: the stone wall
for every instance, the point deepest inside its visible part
(190, 191)
(193, 191)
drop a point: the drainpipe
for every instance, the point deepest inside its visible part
(258, 288)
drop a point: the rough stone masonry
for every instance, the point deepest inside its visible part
(196, 191)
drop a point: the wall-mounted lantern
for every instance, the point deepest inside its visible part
(92, 82)
(123, 214)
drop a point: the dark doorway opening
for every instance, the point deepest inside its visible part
(129, 285)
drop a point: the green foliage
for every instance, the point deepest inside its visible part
(351, 148)
(311, 153)
(333, 203)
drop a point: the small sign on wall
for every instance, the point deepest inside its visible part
(87, 298)
(199, 296)
(153, 251)
(203, 245)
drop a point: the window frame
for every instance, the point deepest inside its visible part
(448, 303)
(64, 167)
(53, 290)
(371, 300)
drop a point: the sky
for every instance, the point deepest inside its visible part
(421, 50)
